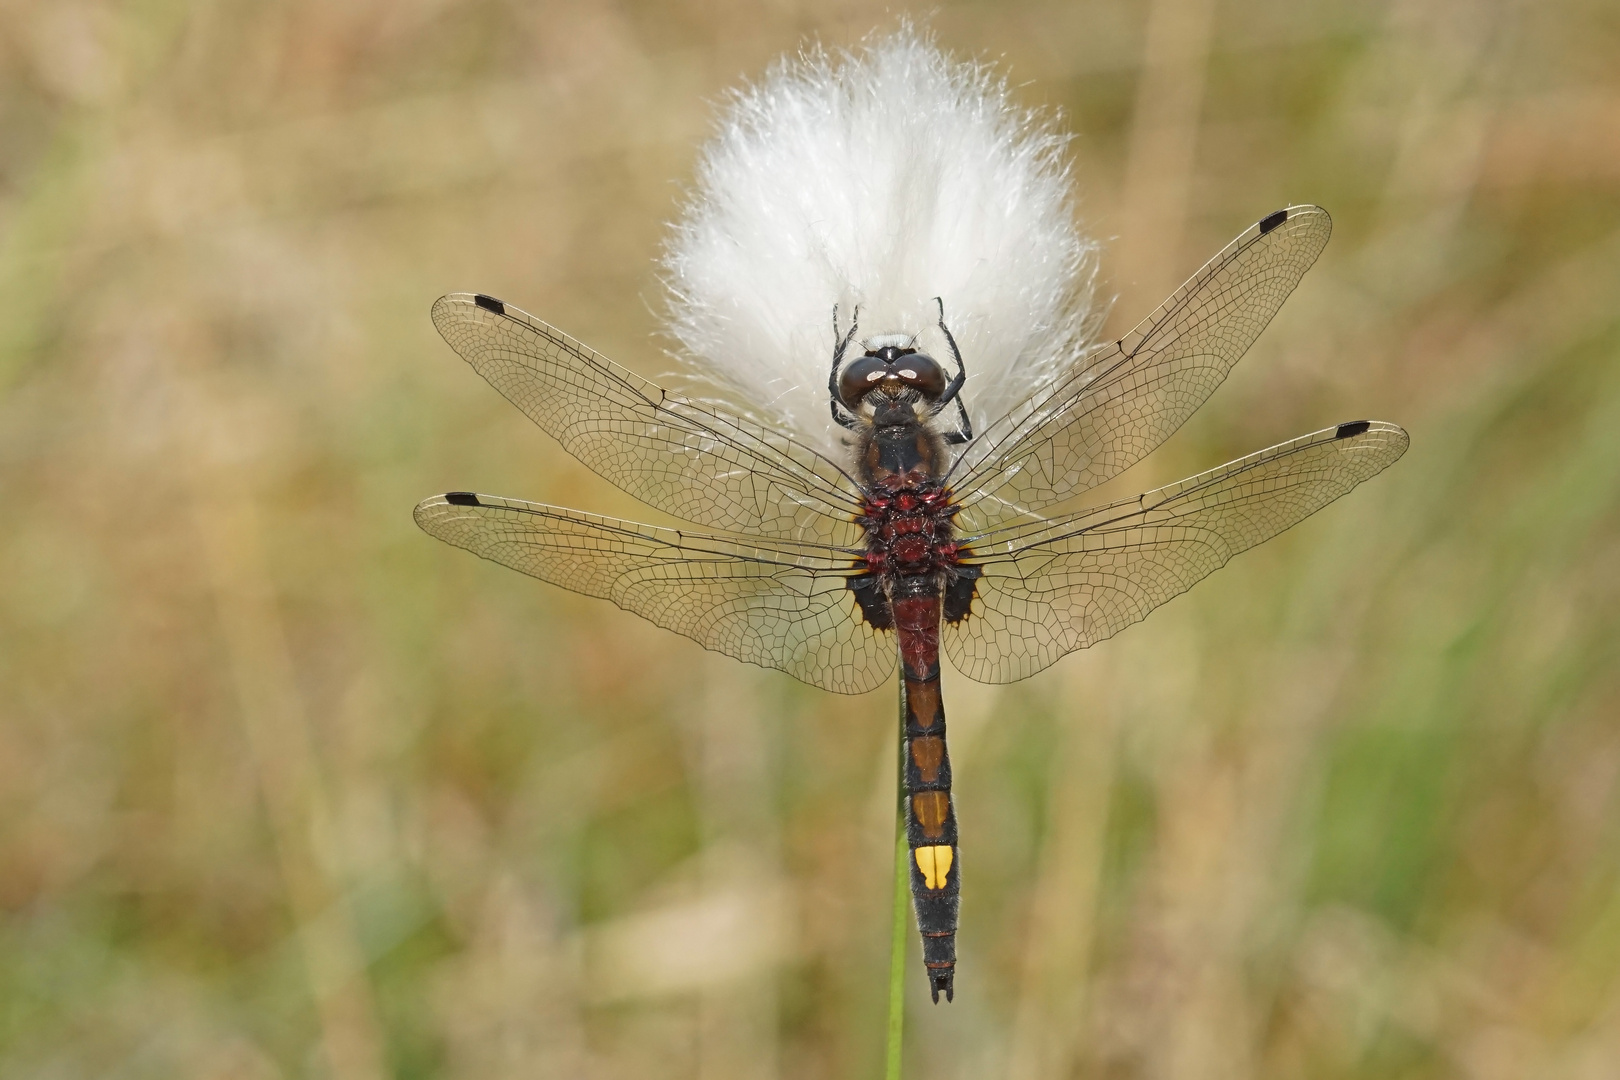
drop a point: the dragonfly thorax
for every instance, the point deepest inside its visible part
(899, 452)
(909, 532)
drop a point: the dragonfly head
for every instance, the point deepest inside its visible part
(890, 376)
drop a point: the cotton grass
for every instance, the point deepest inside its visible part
(882, 177)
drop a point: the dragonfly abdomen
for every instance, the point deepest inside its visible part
(916, 604)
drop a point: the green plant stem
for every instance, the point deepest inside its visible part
(902, 892)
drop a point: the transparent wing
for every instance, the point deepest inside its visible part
(778, 604)
(676, 455)
(1050, 587)
(1120, 402)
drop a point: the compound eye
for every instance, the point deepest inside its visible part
(922, 373)
(859, 378)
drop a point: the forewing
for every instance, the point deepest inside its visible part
(1047, 588)
(676, 455)
(777, 604)
(1117, 403)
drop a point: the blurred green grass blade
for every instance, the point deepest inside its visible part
(897, 947)
(897, 954)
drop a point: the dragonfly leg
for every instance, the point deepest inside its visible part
(953, 390)
(841, 413)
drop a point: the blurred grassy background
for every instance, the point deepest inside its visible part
(289, 789)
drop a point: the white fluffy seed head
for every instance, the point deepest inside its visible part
(881, 178)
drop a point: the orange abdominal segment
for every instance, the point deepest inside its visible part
(930, 808)
(928, 753)
(924, 702)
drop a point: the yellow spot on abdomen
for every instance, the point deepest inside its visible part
(935, 864)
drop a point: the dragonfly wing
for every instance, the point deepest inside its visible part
(1117, 403)
(1049, 587)
(679, 456)
(778, 604)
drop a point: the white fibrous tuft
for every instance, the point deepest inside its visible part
(881, 178)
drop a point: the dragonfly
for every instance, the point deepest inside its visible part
(926, 535)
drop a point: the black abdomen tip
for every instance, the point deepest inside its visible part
(1352, 429)
(489, 303)
(1271, 221)
(461, 498)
